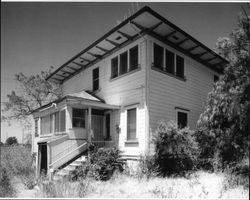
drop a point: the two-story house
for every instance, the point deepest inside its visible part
(116, 90)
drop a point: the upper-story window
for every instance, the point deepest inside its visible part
(158, 56)
(179, 66)
(114, 67)
(125, 62)
(168, 62)
(96, 79)
(133, 58)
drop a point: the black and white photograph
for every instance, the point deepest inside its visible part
(125, 100)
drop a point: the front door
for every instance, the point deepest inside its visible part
(97, 127)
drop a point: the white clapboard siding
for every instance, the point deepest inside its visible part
(167, 92)
(123, 91)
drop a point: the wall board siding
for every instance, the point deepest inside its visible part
(167, 92)
(123, 91)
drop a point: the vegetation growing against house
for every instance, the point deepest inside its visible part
(223, 127)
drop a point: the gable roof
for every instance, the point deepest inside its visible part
(144, 21)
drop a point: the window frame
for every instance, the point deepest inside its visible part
(128, 70)
(182, 110)
(164, 69)
(84, 110)
(97, 79)
(163, 58)
(136, 127)
(50, 126)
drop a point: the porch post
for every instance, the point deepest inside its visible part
(89, 125)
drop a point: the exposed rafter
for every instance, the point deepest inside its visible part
(85, 59)
(95, 55)
(193, 48)
(155, 26)
(72, 68)
(60, 75)
(102, 49)
(57, 79)
(201, 54)
(113, 43)
(170, 34)
(125, 35)
(78, 64)
(142, 28)
(209, 59)
(181, 42)
(66, 72)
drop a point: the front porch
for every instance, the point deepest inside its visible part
(66, 127)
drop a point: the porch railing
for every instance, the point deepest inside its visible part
(60, 152)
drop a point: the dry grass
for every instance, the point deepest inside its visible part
(200, 185)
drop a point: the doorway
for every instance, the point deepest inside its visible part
(43, 159)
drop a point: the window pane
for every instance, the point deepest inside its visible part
(36, 128)
(57, 122)
(124, 62)
(182, 119)
(114, 67)
(62, 120)
(170, 61)
(131, 124)
(96, 79)
(158, 56)
(78, 118)
(179, 66)
(133, 57)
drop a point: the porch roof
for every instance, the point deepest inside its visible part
(83, 98)
(145, 21)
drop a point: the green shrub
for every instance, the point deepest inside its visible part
(175, 149)
(102, 164)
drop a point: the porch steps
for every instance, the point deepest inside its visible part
(69, 169)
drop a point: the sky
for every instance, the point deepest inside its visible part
(37, 35)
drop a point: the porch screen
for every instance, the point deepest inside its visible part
(131, 124)
(78, 118)
(46, 124)
(60, 121)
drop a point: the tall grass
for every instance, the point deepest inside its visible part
(16, 162)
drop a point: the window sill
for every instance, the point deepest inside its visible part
(131, 143)
(169, 74)
(125, 74)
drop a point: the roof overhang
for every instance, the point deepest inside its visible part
(82, 98)
(145, 21)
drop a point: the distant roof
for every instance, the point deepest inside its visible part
(144, 21)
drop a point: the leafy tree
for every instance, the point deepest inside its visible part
(34, 91)
(11, 141)
(225, 121)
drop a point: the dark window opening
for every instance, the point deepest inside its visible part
(179, 66)
(78, 118)
(133, 58)
(216, 78)
(131, 124)
(182, 118)
(158, 56)
(114, 67)
(95, 79)
(107, 125)
(124, 63)
(170, 62)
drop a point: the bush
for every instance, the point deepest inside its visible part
(11, 141)
(102, 164)
(175, 149)
(6, 188)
